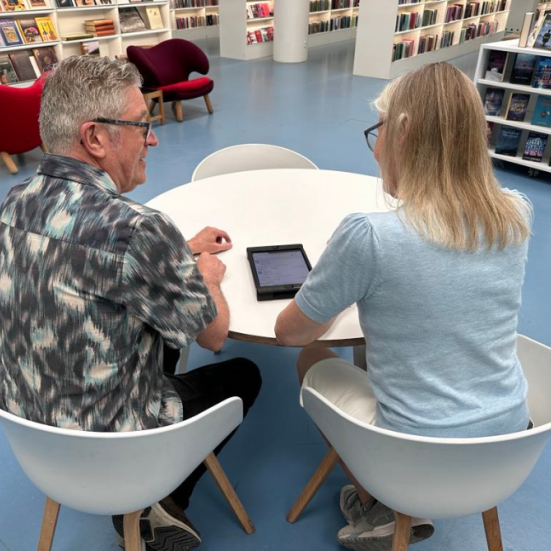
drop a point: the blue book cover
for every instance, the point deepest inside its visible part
(10, 32)
(492, 101)
(544, 37)
(542, 112)
(508, 140)
(516, 110)
(542, 78)
(535, 146)
(523, 69)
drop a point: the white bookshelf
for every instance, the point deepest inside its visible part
(234, 27)
(326, 16)
(201, 12)
(482, 84)
(377, 33)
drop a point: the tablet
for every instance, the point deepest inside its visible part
(278, 270)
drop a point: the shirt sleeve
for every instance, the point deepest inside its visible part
(162, 285)
(347, 271)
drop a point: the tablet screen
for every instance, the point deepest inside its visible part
(280, 267)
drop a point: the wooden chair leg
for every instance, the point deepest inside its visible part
(491, 527)
(178, 109)
(162, 112)
(215, 469)
(151, 107)
(132, 536)
(49, 522)
(208, 104)
(8, 161)
(44, 148)
(402, 530)
(318, 478)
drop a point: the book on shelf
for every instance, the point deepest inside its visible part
(29, 31)
(13, 5)
(131, 21)
(76, 36)
(527, 26)
(7, 72)
(23, 67)
(65, 3)
(536, 30)
(523, 69)
(100, 27)
(154, 18)
(535, 147)
(497, 60)
(542, 76)
(90, 48)
(84, 3)
(516, 109)
(47, 29)
(543, 40)
(542, 112)
(10, 32)
(45, 58)
(508, 141)
(493, 101)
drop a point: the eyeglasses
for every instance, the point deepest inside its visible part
(371, 135)
(147, 126)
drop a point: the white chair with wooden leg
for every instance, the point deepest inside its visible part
(120, 473)
(439, 477)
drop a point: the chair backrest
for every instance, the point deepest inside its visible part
(441, 477)
(169, 62)
(117, 473)
(19, 110)
(252, 156)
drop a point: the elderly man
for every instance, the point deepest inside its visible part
(93, 285)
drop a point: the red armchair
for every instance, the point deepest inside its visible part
(19, 109)
(167, 67)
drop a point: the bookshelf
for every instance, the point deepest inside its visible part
(195, 19)
(508, 88)
(237, 27)
(436, 21)
(332, 21)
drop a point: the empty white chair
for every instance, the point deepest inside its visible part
(441, 477)
(251, 156)
(114, 473)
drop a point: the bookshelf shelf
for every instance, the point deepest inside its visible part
(499, 121)
(28, 46)
(140, 33)
(259, 19)
(320, 22)
(10, 14)
(193, 23)
(82, 40)
(62, 11)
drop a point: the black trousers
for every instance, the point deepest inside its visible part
(205, 387)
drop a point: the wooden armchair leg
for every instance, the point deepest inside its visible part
(132, 536)
(491, 527)
(402, 530)
(44, 148)
(215, 469)
(208, 104)
(8, 161)
(151, 107)
(162, 112)
(318, 478)
(178, 110)
(49, 522)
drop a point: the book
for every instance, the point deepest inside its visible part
(65, 3)
(45, 58)
(492, 101)
(154, 19)
(76, 36)
(90, 48)
(508, 140)
(544, 36)
(130, 20)
(516, 109)
(32, 59)
(37, 4)
(85, 3)
(523, 69)
(536, 30)
(29, 31)
(542, 76)
(47, 29)
(535, 147)
(13, 5)
(496, 65)
(542, 112)
(7, 72)
(22, 64)
(10, 32)
(527, 25)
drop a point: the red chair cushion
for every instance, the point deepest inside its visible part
(189, 89)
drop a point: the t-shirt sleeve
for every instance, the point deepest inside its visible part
(347, 271)
(162, 285)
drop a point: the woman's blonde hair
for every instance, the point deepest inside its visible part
(435, 151)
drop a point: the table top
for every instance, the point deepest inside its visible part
(272, 207)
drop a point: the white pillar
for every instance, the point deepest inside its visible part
(291, 30)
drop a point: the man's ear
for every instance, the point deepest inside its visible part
(94, 140)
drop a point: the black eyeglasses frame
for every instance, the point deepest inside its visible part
(119, 122)
(371, 131)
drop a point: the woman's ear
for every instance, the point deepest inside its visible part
(404, 124)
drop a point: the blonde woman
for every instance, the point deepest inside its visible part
(437, 283)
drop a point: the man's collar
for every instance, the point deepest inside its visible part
(69, 168)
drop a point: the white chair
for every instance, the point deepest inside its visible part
(251, 156)
(114, 473)
(441, 477)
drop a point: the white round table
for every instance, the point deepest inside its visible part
(272, 207)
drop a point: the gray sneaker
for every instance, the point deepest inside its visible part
(374, 531)
(351, 506)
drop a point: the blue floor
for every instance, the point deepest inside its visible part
(320, 110)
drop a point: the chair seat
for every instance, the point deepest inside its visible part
(188, 89)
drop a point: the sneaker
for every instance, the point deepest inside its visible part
(351, 506)
(164, 527)
(374, 531)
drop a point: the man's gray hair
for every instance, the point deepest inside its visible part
(80, 89)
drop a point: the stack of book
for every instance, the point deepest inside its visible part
(265, 34)
(100, 27)
(454, 13)
(427, 43)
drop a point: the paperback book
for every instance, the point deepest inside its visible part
(13, 5)
(496, 65)
(10, 32)
(7, 72)
(23, 67)
(535, 147)
(131, 21)
(47, 29)
(518, 104)
(45, 58)
(542, 77)
(523, 69)
(90, 48)
(29, 31)
(508, 140)
(493, 101)
(154, 19)
(544, 35)
(542, 112)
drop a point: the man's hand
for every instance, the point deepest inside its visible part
(212, 269)
(210, 240)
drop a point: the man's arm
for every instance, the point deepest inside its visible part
(216, 333)
(293, 328)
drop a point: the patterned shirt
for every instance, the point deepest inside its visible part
(91, 284)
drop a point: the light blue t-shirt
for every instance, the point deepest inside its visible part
(439, 324)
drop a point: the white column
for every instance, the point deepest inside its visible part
(291, 30)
